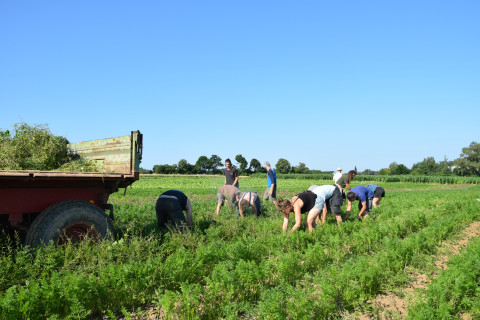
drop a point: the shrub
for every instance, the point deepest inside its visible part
(32, 147)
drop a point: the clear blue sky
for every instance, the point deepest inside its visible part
(326, 83)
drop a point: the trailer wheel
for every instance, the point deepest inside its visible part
(71, 220)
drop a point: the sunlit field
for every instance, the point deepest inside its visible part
(227, 267)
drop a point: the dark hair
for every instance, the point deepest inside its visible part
(243, 204)
(350, 174)
(351, 196)
(228, 160)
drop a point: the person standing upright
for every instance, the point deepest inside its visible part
(231, 174)
(337, 175)
(344, 181)
(271, 192)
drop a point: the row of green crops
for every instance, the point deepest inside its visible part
(456, 291)
(386, 178)
(228, 267)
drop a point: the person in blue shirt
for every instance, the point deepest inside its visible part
(378, 194)
(271, 192)
(331, 199)
(364, 196)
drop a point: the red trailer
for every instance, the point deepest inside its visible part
(63, 206)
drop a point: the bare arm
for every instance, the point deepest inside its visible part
(324, 213)
(254, 208)
(285, 221)
(298, 214)
(364, 207)
(349, 206)
(271, 188)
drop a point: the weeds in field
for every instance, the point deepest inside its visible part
(229, 267)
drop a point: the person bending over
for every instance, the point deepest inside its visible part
(226, 192)
(247, 199)
(378, 194)
(170, 207)
(299, 204)
(364, 196)
(332, 199)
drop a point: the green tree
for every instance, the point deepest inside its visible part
(202, 165)
(183, 167)
(145, 171)
(396, 168)
(428, 167)
(215, 162)
(469, 161)
(445, 167)
(301, 168)
(283, 166)
(384, 172)
(242, 162)
(165, 168)
(368, 172)
(255, 165)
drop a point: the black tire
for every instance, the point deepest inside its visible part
(38, 221)
(71, 220)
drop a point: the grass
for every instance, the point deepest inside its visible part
(228, 267)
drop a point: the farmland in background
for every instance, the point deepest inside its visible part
(228, 267)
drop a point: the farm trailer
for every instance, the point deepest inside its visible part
(67, 206)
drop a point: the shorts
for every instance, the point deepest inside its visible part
(220, 197)
(335, 202)
(379, 192)
(168, 209)
(267, 196)
(319, 203)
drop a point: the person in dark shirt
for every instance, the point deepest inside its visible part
(170, 207)
(345, 180)
(231, 174)
(299, 204)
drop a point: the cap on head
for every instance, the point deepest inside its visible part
(339, 169)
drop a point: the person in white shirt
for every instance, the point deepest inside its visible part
(337, 175)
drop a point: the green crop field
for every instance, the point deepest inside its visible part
(227, 267)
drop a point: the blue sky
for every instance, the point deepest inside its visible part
(327, 83)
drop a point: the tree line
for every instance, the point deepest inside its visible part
(215, 165)
(468, 164)
(35, 147)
